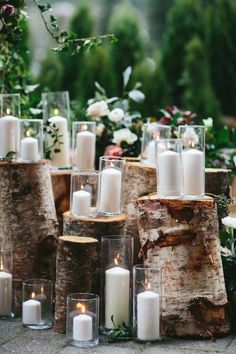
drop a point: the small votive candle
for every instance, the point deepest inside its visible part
(31, 140)
(6, 269)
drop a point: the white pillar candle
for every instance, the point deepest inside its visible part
(148, 316)
(62, 158)
(151, 154)
(85, 150)
(82, 327)
(81, 202)
(5, 293)
(9, 135)
(169, 174)
(193, 169)
(110, 190)
(117, 281)
(31, 312)
(29, 149)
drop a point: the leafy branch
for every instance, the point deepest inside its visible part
(53, 131)
(9, 157)
(120, 333)
(68, 41)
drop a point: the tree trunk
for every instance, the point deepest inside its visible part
(182, 236)
(96, 228)
(61, 191)
(217, 181)
(28, 221)
(74, 273)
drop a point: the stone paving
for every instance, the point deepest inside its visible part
(14, 338)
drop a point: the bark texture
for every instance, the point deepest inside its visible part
(181, 236)
(74, 273)
(28, 221)
(217, 181)
(96, 228)
(61, 191)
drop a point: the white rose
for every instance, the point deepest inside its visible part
(98, 109)
(116, 115)
(124, 135)
(208, 123)
(99, 129)
(228, 221)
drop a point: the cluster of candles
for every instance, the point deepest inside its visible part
(180, 162)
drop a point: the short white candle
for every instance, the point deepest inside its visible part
(117, 282)
(81, 202)
(82, 327)
(9, 135)
(110, 192)
(31, 311)
(29, 149)
(62, 158)
(85, 150)
(169, 174)
(193, 172)
(5, 293)
(148, 316)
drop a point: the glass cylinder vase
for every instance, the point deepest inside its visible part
(37, 303)
(84, 192)
(147, 297)
(116, 267)
(31, 140)
(6, 290)
(9, 125)
(169, 168)
(82, 325)
(151, 133)
(193, 160)
(56, 115)
(84, 144)
(110, 200)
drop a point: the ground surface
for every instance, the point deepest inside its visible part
(14, 338)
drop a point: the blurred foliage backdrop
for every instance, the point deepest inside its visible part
(182, 51)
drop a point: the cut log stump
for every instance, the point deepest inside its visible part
(96, 228)
(61, 191)
(182, 237)
(28, 221)
(74, 273)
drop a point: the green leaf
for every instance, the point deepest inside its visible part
(100, 88)
(126, 75)
(35, 111)
(30, 88)
(44, 8)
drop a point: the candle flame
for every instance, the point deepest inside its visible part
(56, 112)
(1, 264)
(84, 127)
(168, 146)
(8, 111)
(81, 307)
(82, 187)
(33, 295)
(42, 289)
(192, 144)
(146, 285)
(112, 164)
(117, 259)
(156, 136)
(29, 132)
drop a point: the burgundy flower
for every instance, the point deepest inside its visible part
(113, 150)
(8, 9)
(165, 121)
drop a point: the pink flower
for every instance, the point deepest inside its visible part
(113, 150)
(8, 9)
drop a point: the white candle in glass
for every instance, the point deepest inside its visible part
(9, 134)
(83, 326)
(85, 149)
(62, 158)
(110, 190)
(31, 311)
(29, 149)
(151, 154)
(169, 173)
(193, 169)
(148, 316)
(5, 293)
(117, 284)
(81, 202)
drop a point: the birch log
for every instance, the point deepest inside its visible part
(28, 221)
(182, 237)
(96, 228)
(74, 273)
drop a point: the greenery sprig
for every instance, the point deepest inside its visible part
(223, 203)
(120, 333)
(53, 131)
(9, 157)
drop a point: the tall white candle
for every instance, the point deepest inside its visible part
(117, 281)
(151, 154)
(110, 190)
(193, 169)
(9, 135)
(5, 293)
(81, 202)
(62, 158)
(169, 174)
(31, 312)
(82, 327)
(148, 316)
(29, 149)
(85, 150)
